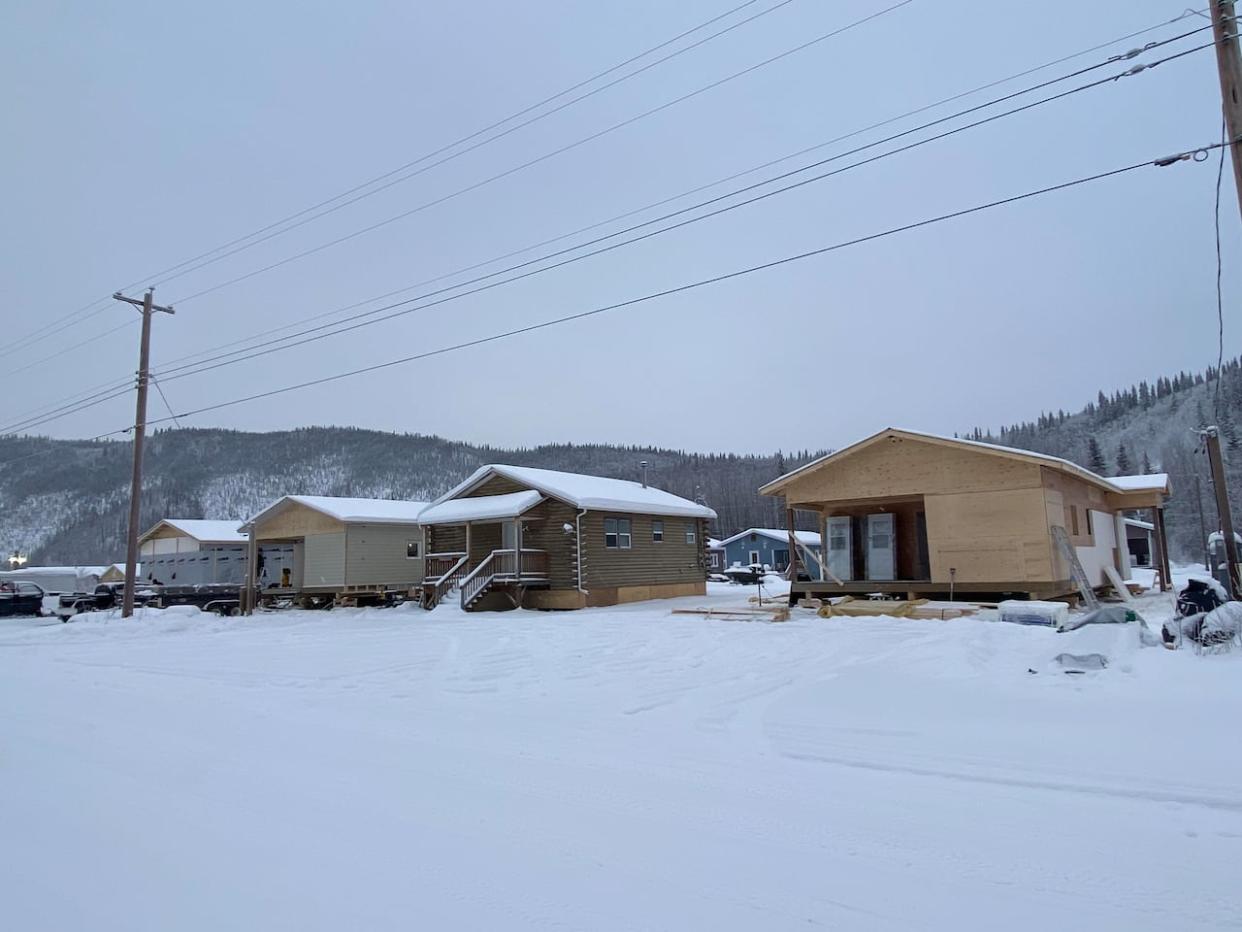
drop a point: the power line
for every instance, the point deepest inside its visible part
(324, 331)
(698, 189)
(445, 148)
(544, 157)
(680, 289)
(455, 155)
(160, 388)
(61, 354)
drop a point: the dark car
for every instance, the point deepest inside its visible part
(21, 598)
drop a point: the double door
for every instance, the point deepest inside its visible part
(879, 547)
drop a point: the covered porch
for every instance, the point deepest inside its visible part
(479, 546)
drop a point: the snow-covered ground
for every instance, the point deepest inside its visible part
(611, 769)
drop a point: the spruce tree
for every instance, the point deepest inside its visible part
(1123, 461)
(1095, 458)
(1147, 470)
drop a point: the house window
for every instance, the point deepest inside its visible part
(1087, 512)
(690, 534)
(1073, 520)
(715, 560)
(617, 534)
(657, 531)
(411, 549)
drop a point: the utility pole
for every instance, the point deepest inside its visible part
(1211, 437)
(1229, 64)
(146, 307)
(1203, 531)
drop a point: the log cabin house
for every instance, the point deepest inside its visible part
(916, 514)
(515, 535)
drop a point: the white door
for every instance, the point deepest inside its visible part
(881, 555)
(840, 548)
(508, 536)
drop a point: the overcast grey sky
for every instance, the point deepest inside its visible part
(141, 134)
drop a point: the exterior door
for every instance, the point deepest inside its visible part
(841, 548)
(508, 536)
(881, 555)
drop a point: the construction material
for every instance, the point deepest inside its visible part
(1022, 612)
(1066, 546)
(1121, 588)
(922, 609)
(739, 614)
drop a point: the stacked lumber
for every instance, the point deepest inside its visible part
(849, 607)
(740, 613)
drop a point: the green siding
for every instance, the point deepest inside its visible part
(375, 555)
(646, 562)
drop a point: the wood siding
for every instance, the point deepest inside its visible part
(296, 520)
(446, 538)
(496, 485)
(543, 528)
(375, 555)
(647, 562)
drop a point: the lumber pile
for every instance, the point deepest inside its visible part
(767, 613)
(849, 607)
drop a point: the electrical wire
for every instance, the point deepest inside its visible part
(159, 388)
(464, 139)
(541, 158)
(61, 354)
(477, 145)
(368, 318)
(681, 289)
(687, 193)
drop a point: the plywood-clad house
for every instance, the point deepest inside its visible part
(513, 535)
(913, 513)
(192, 552)
(335, 547)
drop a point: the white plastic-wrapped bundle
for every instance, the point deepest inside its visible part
(1048, 614)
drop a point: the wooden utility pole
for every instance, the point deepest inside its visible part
(1229, 64)
(1211, 436)
(146, 307)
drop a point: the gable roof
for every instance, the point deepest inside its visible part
(480, 508)
(1124, 484)
(806, 538)
(350, 510)
(593, 493)
(204, 531)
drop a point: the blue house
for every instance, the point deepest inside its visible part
(770, 547)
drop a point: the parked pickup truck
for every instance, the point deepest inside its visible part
(21, 598)
(106, 596)
(224, 600)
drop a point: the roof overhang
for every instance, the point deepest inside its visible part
(481, 508)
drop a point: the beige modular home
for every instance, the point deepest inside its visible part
(315, 548)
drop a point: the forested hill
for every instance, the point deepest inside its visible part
(1150, 427)
(67, 501)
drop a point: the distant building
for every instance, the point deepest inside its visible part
(716, 561)
(770, 547)
(1139, 541)
(55, 580)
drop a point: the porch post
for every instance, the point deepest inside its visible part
(793, 546)
(517, 547)
(1163, 548)
(1123, 544)
(467, 545)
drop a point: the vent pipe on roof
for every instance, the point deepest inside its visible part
(643, 464)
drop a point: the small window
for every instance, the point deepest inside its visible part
(1087, 512)
(657, 531)
(411, 549)
(1073, 520)
(691, 534)
(617, 534)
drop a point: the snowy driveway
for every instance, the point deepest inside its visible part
(610, 769)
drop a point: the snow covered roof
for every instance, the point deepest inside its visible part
(203, 531)
(1143, 525)
(807, 538)
(481, 508)
(1150, 483)
(351, 510)
(1156, 482)
(713, 544)
(594, 493)
(55, 571)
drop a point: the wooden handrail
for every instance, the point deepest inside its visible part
(478, 578)
(503, 564)
(449, 578)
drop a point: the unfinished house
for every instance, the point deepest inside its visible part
(920, 515)
(514, 535)
(318, 549)
(192, 552)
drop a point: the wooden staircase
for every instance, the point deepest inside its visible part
(510, 570)
(442, 574)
